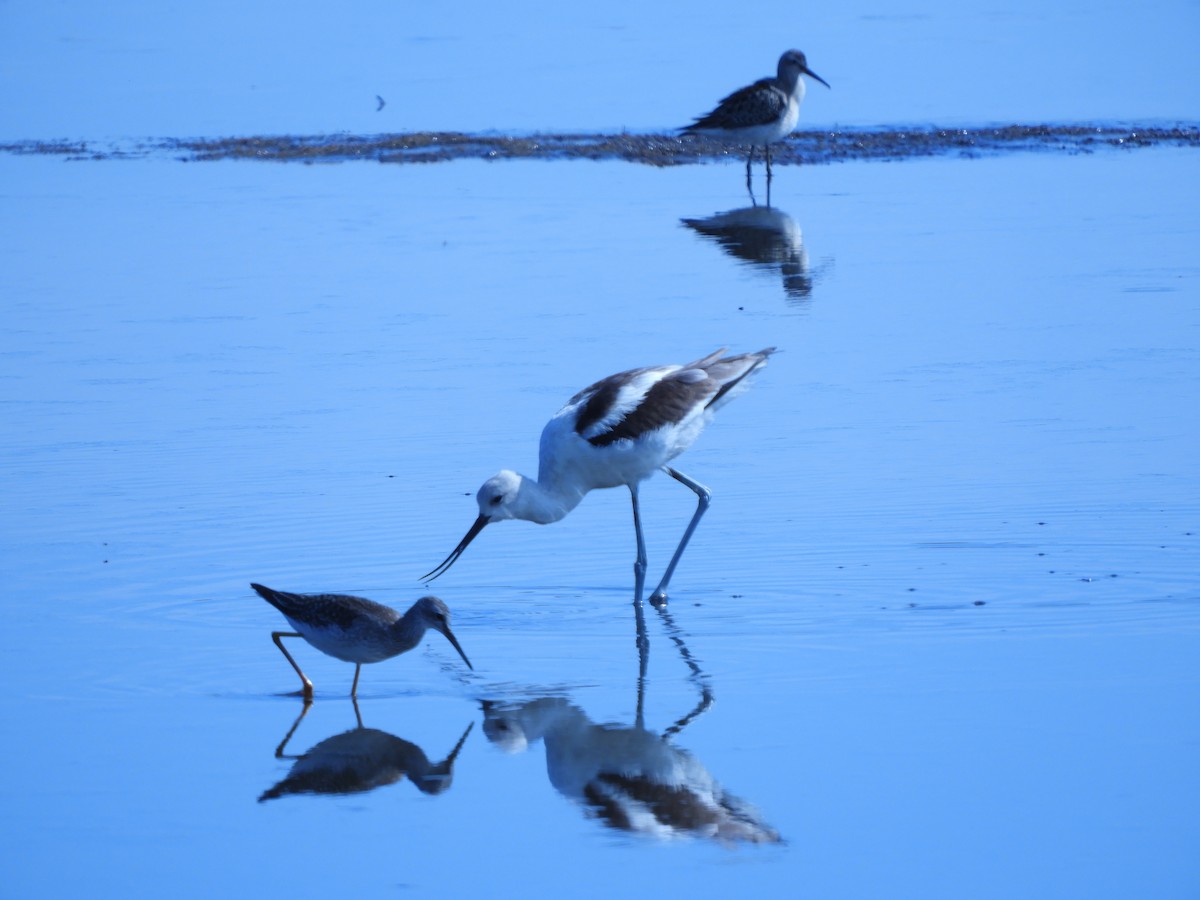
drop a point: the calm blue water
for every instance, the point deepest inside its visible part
(132, 68)
(945, 599)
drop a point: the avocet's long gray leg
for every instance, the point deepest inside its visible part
(704, 497)
(354, 687)
(749, 160)
(639, 564)
(275, 636)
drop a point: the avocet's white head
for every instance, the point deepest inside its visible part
(505, 732)
(500, 498)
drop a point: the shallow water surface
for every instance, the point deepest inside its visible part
(935, 637)
(944, 601)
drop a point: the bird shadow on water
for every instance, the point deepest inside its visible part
(764, 238)
(360, 760)
(627, 776)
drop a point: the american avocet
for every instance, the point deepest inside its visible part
(761, 113)
(354, 629)
(617, 431)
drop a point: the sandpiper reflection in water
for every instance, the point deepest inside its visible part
(361, 760)
(764, 237)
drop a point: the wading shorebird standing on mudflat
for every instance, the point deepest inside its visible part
(761, 113)
(354, 629)
(620, 430)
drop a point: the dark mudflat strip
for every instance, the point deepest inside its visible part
(807, 147)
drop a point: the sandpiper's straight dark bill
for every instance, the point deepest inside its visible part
(618, 431)
(811, 74)
(355, 629)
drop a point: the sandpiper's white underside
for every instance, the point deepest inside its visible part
(764, 134)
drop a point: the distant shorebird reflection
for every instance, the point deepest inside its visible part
(361, 760)
(630, 778)
(764, 237)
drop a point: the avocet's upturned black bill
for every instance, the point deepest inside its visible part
(617, 431)
(457, 551)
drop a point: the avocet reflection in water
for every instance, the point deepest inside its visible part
(627, 776)
(360, 760)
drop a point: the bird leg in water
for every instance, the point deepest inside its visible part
(308, 688)
(639, 564)
(704, 497)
